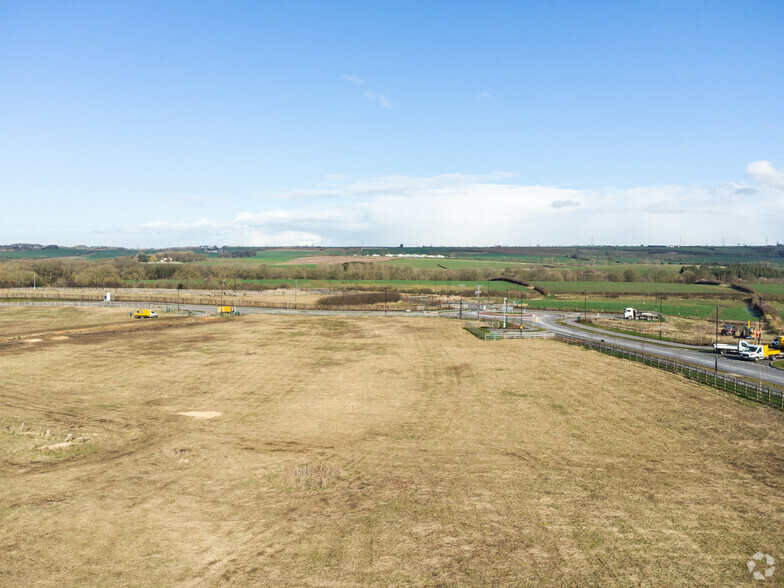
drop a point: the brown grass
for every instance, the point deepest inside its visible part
(681, 330)
(374, 452)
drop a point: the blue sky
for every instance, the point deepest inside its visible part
(339, 123)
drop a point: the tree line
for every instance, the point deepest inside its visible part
(130, 271)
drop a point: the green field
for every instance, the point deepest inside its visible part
(66, 252)
(774, 289)
(728, 309)
(631, 287)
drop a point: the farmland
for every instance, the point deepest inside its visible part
(367, 451)
(734, 310)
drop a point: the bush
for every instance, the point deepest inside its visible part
(358, 299)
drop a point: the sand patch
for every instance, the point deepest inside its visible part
(201, 414)
(33, 340)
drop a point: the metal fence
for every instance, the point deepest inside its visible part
(756, 391)
(489, 334)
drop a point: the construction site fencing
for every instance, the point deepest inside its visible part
(756, 391)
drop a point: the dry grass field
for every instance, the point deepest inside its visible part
(681, 330)
(29, 322)
(372, 452)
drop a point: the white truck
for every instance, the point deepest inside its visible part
(731, 348)
(753, 353)
(637, 315)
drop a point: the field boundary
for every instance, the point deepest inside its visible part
(487, 335)
(756, 392)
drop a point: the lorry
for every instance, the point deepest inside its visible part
(731, 349)
(753, 353)
(226, 310)
(637, 315)
(144, 313)
(757, 352)
(778, 342)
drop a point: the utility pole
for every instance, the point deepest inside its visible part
(661, 305)
(585, 304)
(717, 341)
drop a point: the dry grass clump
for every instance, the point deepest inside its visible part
(375, 452)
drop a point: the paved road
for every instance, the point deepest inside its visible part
(701, 356)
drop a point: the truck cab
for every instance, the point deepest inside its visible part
(753, 353)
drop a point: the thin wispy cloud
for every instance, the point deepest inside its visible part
(354, 79)
(380, 98)
(484, 96)
(371, 94)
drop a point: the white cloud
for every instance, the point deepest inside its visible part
(484, 96)
(487, 209)
(371, 94)
(764, 173)
(380, 98)
(354, 79)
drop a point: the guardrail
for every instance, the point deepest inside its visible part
(756, 391)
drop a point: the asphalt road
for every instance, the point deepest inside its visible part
(702, 356)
